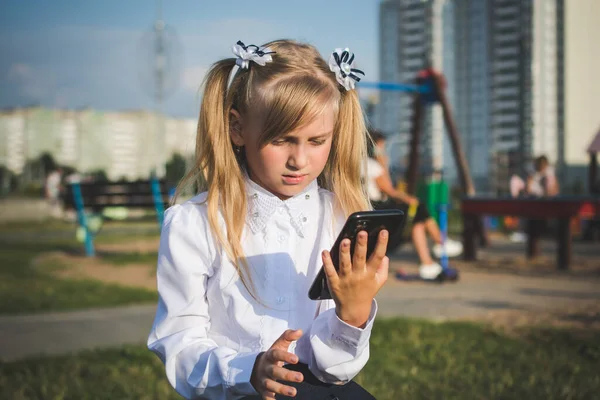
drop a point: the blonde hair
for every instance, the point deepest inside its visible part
(290, 92)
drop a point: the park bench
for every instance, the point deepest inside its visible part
(97, 196)
(535, 210)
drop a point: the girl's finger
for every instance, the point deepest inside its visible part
(278, 355)
(283, 342)
(268, 395)
(284, 374)
(359, 258)
(330, 272)
(381, 275)
(345, 266)
(276, 387)
(380, 250)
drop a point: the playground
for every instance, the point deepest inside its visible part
(77, 297)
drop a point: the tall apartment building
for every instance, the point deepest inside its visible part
(524, 85)
(470, 86)
(540, 53)
(521, 82)
(412, 36)
(579, 88)
(524, 80)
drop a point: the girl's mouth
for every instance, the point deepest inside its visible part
(293, 179)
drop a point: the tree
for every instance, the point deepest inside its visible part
(47, 163)
(175, 169)
(99, 175)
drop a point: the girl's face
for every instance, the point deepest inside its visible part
(289, 163)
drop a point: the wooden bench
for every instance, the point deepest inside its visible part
(561, 208)
(100, 195)
(96, 196)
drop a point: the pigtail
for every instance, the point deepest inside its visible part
(347, 161)
(217, 170)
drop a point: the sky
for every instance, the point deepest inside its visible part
(92, 53)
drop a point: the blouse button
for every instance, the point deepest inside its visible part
(255, 215)
(307, 196)
(255, 196)
(304, 219)
(280, 300)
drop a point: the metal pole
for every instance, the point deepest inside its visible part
(593, 185)
(160, 61)
(459, 155)
(415, 138)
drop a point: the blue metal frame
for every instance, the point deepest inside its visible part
(443, 215)
(398, 87)
(158, 201)
(82, 219)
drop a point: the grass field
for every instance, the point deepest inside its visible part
(27, 289)
(410, 359)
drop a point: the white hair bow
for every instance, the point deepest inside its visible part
(245, 54)
(341, 62)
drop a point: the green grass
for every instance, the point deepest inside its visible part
(27, 289)
(420, 360)
(35, 226)
(129, 258)
(410, 359)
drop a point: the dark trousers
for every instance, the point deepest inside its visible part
(313, 389)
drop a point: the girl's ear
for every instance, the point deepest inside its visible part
(235, 128)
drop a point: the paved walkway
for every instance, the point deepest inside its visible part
(58, 333)
(474, 296)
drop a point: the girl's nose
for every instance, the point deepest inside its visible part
(298, 159)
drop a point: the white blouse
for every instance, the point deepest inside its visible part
(208, 330)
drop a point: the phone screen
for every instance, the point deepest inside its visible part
(372, 222)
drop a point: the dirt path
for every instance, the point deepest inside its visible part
(71, 266)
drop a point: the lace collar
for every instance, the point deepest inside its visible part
(262, 204)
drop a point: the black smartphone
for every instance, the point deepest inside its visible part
(372, 222)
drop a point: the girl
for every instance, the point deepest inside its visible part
(281, 139)
(383, 195)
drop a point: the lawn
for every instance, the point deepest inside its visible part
(410, 359)
(27, 289)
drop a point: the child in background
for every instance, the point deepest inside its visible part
(280, 145)
(543, 181)
(384, 195)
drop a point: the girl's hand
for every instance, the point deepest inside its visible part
(358, 280)
(268, 368)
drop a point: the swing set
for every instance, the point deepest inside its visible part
(428, 89)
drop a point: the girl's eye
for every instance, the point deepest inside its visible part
(278, 142)
(318, 142)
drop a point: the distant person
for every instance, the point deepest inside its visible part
(73, 177)
(542, 182)
(281, 138)
(383, 195)
(517, 186)
(53, 189)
